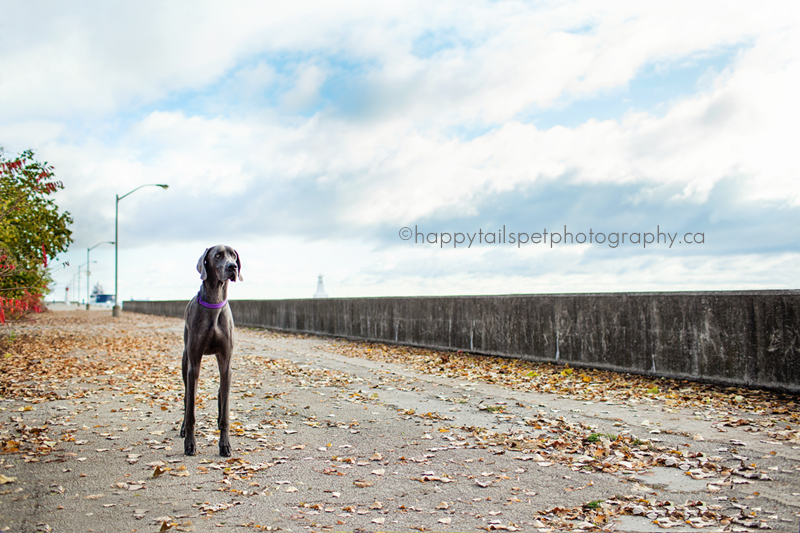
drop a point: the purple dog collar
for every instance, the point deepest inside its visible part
(211, 306)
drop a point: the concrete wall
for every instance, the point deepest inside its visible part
(745, 338)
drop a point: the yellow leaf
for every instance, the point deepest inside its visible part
(180, 471)
(4, 479)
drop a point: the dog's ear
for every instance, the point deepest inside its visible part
(238, 265)
(201, 265)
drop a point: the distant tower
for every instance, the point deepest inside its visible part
(320, 289)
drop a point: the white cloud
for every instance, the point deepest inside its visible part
(214, 100)
(510, 56)
(306, 89)
(286, 268)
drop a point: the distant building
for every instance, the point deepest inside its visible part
(320, 289)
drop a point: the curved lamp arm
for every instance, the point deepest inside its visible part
(163, 186)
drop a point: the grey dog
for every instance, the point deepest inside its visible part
(209, 330)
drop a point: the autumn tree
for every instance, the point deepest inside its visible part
(31, 231)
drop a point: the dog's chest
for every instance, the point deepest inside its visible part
(217, 341)
(212, 335)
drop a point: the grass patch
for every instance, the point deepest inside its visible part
(595, 437)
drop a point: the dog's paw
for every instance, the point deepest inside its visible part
(189, 448)
(225, 450)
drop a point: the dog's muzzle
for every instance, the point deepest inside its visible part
(231, 271)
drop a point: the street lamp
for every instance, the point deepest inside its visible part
(117, 310)
(89, 271)
(76, 285)
(72, 284)
(78, 291)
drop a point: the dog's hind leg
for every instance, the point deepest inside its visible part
(223, 413)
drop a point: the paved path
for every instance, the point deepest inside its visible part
(324, 442)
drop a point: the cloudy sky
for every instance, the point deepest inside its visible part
(307, 135)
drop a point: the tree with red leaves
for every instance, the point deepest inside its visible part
(31, 229)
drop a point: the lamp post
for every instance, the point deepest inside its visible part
(89, 271)
(76, 284)
(117, 310)
(78, 291)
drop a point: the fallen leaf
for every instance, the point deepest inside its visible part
(180, 472)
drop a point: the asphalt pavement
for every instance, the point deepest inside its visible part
(324, 442)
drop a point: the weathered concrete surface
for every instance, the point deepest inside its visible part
(747, 338)
(302, 411)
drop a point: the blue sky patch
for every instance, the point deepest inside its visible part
(653, 90)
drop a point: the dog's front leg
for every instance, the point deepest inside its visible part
(184, 370)
(223, 413)
(193, 376)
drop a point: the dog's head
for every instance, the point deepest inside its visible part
(221, 263)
